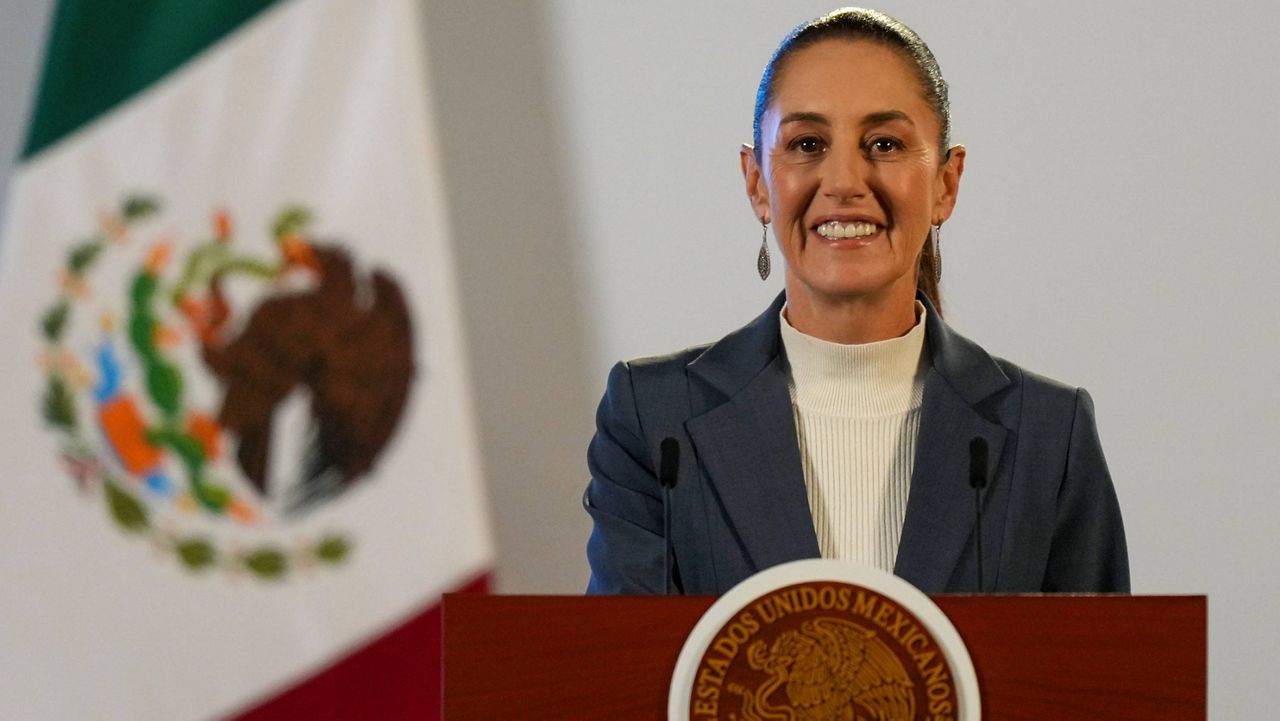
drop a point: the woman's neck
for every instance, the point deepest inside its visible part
(853, 319)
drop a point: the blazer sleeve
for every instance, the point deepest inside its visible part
(626, 549)
(1088, 551)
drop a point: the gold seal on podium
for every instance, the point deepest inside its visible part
(824, 640)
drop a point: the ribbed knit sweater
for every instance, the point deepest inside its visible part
(857, 412)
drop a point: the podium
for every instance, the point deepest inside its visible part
(1036, 656)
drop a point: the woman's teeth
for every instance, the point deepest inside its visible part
(835, 229)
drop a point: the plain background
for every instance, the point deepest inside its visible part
(1116, 229)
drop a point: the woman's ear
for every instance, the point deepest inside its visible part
(753, 175)
(949, 175)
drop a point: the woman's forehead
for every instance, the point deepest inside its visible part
(840, 73)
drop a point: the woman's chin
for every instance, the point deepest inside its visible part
(857, 284)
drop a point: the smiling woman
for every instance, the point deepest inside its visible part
(852, 176)
(841, 422)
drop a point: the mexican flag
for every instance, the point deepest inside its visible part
(240, 466)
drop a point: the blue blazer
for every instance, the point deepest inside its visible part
(1050, 517)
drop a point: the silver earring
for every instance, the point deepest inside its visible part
(763, 266)
(935, 236)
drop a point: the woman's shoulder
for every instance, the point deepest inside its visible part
(1043, 400)
(1037, 383)
(667, 362)
(1030, 381)
(652, 382)
(978, 374)
(743, 351)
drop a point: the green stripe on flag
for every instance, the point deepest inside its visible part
(102, 53)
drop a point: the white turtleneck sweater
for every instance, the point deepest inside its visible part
(857, 412)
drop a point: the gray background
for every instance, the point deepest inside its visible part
(1116, 229)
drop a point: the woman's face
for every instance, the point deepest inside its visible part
(850, 173)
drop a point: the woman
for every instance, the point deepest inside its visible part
(840, 422)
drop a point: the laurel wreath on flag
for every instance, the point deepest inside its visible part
(143, 431)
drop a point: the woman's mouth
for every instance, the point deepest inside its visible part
(836, 230)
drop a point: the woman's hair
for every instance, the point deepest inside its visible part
(862, 24)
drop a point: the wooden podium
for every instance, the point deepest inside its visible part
(1036, 657)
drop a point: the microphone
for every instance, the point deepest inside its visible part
(668, 469)
(978, 481)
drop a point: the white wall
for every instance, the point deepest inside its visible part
(1115, 230)
(22, 31)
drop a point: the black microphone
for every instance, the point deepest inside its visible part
(978, 480)
(668, 469)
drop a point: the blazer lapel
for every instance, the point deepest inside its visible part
(748, 446)
(745, 437)
(940, 518)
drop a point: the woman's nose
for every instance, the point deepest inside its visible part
(847, 175)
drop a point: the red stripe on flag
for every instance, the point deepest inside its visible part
(395, 677)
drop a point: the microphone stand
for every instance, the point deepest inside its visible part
(668, 470)
(978, 481)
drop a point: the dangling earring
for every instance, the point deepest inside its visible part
(763, 265)
(935, 235)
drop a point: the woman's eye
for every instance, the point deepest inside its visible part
(808, 145)
(884, 146)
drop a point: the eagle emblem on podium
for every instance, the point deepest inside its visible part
(829, 669)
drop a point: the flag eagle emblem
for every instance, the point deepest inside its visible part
(223, 387)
